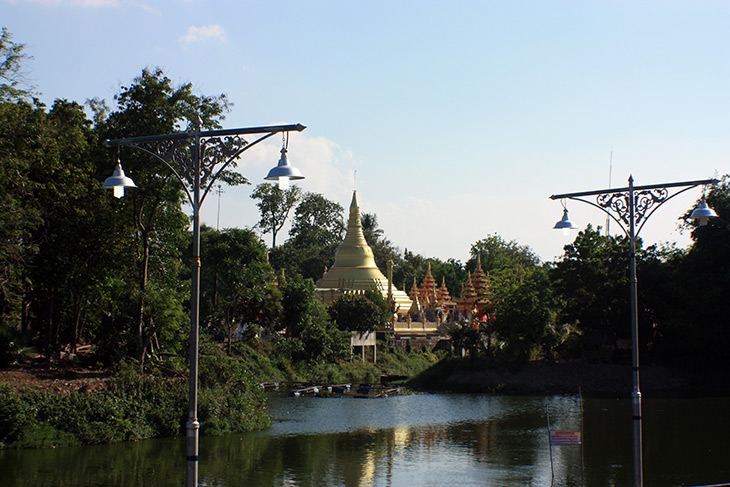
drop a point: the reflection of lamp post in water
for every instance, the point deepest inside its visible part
(630, 207)
(197, 159)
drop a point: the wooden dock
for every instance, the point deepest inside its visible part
(368, 391)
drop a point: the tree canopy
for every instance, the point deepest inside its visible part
(274, 205)
(14, 85)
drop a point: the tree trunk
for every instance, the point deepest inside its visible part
(141, 345)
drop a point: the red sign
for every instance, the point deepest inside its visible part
(565, 438)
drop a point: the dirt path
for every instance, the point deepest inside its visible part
(53, 377)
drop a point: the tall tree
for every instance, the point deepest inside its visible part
(56, 253)
(14, 85)
(526, 320)
(506, 264)
(237, 286)
(151, 105)
(696, 335)
(274, 205)
(317, 230)
(591, 279)
(66, 278)
(22, 132)
(312, 337)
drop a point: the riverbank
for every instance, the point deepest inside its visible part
(539, 377)
(47, 403)
(53, 404)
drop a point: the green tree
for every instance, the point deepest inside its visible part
(237, 284)
(360, 312)
(496, 253)
(467, 339)
(274, 205)
(311, 336)
(67, 278)
(317, 230)
(13, 85)
(56, 226)
(526, 320)
(506, 264)
(319, 219)
(591, 279)
(155, 223)
(22, 132)
(693, 333)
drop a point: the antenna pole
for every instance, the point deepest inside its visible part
(610, 170)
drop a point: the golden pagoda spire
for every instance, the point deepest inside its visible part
(355, 264)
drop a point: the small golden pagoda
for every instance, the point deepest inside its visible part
(481, 280)
(444, 298)
(355, 269)
(429, 289)
(468, 295)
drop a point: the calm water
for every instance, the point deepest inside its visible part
(418, 440)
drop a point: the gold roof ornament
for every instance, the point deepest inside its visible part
(355, 265)
(414, 292)
(444, 297)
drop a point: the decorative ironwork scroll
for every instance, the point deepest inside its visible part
(645, 202)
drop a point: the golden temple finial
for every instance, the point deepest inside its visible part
(355, 263)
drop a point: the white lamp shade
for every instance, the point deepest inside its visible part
(118, 181)
(565, 224)
(284, 172)
(703, 213)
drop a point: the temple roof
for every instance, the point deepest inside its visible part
(355, 268)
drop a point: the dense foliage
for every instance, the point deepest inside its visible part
(366, 311)
(134, 406)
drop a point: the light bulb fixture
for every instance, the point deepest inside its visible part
(118, 181)
(703, 212)
(564, 223)
(284, 172)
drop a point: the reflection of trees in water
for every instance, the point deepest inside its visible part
(685, 444)
(354, 459)
(146, 463)
(511, 437)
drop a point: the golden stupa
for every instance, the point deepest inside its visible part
(355, 269)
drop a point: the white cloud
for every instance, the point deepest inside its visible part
(76, 3)
(197, 35)
(150, 9)
(96, 3)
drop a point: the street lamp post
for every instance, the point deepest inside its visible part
(630, 207)
(197, 159)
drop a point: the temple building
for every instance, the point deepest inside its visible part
(355, 270)
(428, 308)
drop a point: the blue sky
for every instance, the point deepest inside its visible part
(459, 118)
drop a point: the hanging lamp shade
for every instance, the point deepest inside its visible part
(703, 213)
(118, 181)
(565, 224)
(284, 172)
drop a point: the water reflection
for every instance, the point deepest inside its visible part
(420, 440)
(406, 440)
